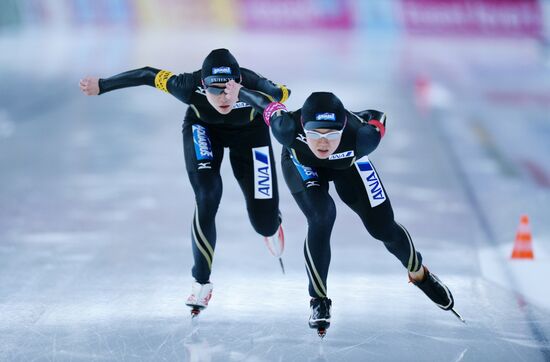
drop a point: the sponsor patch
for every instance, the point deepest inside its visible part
(262, 173)
(307, 173)
(161, 80)
(337, 156)
(371, 181)
(325, 117)
(203, 147)
(219, 79)
(312, 183)
(241, 105)
(272, 108)
(221, 70)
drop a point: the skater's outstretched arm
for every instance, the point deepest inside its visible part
(275, 113)
(180, 86)
(274, 92)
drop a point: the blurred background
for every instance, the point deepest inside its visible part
(95, 205)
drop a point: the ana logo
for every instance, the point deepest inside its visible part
(221, 70)
(262, 173)
(338, 156)
(371, 181)
(325, 117)
(203, 148)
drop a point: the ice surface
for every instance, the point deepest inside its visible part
(95, 254)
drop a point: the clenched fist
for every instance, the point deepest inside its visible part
(89, 86)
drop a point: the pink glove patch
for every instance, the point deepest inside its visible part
(381, 128)
(272, 108)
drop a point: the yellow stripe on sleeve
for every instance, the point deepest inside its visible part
(285, 93)
(161, 79)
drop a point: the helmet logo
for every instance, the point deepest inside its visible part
(325, 117)
(221, 70)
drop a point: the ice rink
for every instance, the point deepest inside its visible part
(96, 207)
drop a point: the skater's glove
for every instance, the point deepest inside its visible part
(380, 125)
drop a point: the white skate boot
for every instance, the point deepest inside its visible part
(276, 245)
(199, 298)
(320, 315)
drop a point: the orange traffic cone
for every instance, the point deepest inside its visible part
(523, 246)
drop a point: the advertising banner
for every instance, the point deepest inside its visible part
(297, 14)
(521, 18)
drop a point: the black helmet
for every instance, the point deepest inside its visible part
(323, 110)
(220, 66)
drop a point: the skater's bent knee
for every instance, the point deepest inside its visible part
(321, 218)
(208, 199)
(386, 233)
(265, 225)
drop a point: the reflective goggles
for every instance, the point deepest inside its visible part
(216, 90)
(330, 136)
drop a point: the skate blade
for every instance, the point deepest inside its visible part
(321, 328)
(282, 265)
(458, 315)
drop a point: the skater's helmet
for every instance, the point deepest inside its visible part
(323, 110)
(220, 66)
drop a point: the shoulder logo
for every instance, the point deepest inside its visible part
(301, 138)
(338, 156)
(200, 90)
(221, 70)
(325, 117)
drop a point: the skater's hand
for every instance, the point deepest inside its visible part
(89, 86)
(232, 89)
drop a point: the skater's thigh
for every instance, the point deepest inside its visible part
(300, 178)
(203, 154)
(253, 166)
(202, 148)
(360, 187)
(309, 189)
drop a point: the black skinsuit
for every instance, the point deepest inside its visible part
(206, 133)
(356, 181)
